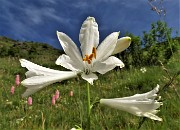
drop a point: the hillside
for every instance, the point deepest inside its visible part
(27, 50)
(71, 110)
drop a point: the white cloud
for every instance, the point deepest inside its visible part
(32, 13)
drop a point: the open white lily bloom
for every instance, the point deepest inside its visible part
(93, 60)
(139, 104)
(95, 57)
(39, 77)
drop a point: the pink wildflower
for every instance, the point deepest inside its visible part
(17, 80)
(71, 93)
(12, 89)
(57, 94)
(29, 101)
(53, 100)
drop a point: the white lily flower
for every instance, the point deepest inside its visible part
(94, 58)
(39, 77)
(139, 104)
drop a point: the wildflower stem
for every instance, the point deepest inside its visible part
(88, 107)
(81, 108)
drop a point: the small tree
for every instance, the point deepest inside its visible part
(156, 42)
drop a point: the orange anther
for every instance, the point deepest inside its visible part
(94, 52)
(86, 58)
(89, 61)
(91, 56)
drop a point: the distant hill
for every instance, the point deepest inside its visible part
(28, 50)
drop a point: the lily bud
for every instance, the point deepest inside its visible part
(122, 44)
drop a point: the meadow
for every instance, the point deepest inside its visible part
(69, 111)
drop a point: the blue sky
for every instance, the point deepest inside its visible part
(38, 20)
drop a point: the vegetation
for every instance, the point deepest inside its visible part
(160, 57)
(27, 50)
(157, 44)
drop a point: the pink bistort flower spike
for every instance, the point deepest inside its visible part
(57, 94)
(17, 80)
(29, 101)
(71, 93)
(12, 89)
(53, 100)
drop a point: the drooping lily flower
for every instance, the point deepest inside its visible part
(143, 105)
(95, 57)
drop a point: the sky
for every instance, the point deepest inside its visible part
(38, 20)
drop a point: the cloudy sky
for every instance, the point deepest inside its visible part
(38, 20)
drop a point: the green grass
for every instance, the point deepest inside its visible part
(68, 111)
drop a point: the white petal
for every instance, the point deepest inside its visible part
(133, 105)
(106, 48)
(35, 69)
(155, 111)
(137, 108)
(122, 44)
(152, 116)
(90, 77)
(145, 96)
(89, 36)
(67, 63)
(107, 65)
(70, 48)
(36, 83)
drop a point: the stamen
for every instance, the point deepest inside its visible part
(94, 52)
(86, 58)
(90, 57)
(89, 61)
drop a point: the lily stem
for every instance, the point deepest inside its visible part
(88, 107)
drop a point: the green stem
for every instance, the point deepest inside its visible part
(88, 107)
(81, 107)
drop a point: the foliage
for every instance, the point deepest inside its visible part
(155, 45)
(159, 43)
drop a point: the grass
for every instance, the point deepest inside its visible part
(71, 111)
